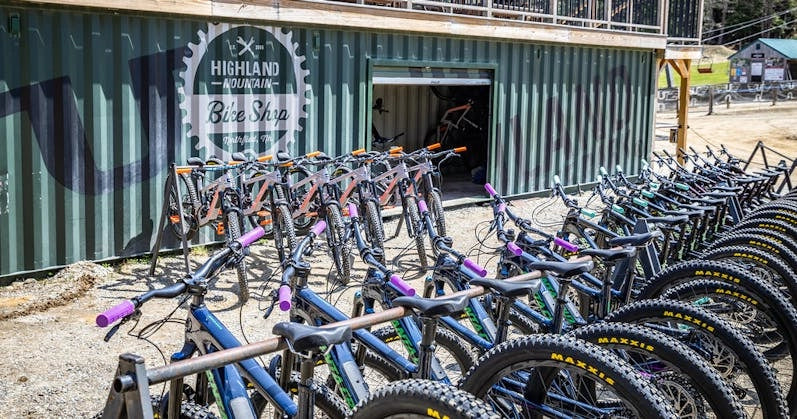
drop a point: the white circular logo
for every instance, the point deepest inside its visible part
(244, 89)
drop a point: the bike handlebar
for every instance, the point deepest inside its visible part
(128, 307)
(123, 309)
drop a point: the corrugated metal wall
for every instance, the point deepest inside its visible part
(90, 119)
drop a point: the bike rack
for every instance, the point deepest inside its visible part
(782, 165)
(171, 180)
(129, 394)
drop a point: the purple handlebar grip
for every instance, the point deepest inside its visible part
(251, 236)
(490, 189)
(404, 287)
(474, 267)
(422, 206)
(517, 251)
(285, 297)
(501, 207)
(570, 247)
(115, 313)
(319, 228)
(353, 210)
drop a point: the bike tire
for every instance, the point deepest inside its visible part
(284, 234)
(731, 353)
(671, 365)
(190, 205)
(302, 223)
(338, 245)
(415, 231)
(770, 301)
(777, 225)
(767, 240)
(374, 226)
(435, 203)
(550, 355)
(422, 398)
(766, 265)
(233, 230)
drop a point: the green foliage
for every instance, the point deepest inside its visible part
(718, 75)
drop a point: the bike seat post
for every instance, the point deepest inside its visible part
(561, 302)
(504, 304)
(428, 333)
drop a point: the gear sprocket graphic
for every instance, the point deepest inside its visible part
(199, 129)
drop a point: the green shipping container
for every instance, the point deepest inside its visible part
(94, 106)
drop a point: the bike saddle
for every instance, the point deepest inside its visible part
(508, 288)
(711, 201)
(728, 188)
(704, 208)
(563, 269)
(684, 213)
(238, 156)
(633, 240)
(720, 194)
(609, 255)
(433, 307)
(214, 160)
(322, 156)
(672, 219)
(303, 338)
(283, 156)
(196, 161)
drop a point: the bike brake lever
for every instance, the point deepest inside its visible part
(116, 327)
(274, 299)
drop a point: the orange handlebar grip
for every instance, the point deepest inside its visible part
(234, 162)
(358, 152)
(265, 158)
(434, 146)
(396, 149)
(460, 149)
(287, 164)
(183, 170)
(313, 154)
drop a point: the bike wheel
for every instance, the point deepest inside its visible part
(435, 202)
(339, 246)
(414, 229)
(325, 403)
(284, 234)
(767, 240)
(731, 353)
(374, 226)
(548, 375)
(454, 358)
(233, 231)
(303, 222)
(763, 264)
(778, 225)
(422, 399)
(189, 204)
(688, 381)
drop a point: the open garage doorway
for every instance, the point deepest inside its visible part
(413, 107)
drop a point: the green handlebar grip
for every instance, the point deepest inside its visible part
(682, 186)
(654, 185)
(618, 209)
(648, 194)
(588, 213)
(619, 168)
(641, 202)
(603, 171)
(556, 180)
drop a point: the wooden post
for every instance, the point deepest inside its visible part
(682, 67)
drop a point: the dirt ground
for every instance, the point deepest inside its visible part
(57, 364)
